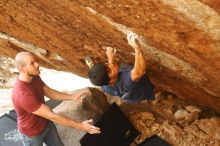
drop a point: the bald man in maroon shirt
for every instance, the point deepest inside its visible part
(35, 119)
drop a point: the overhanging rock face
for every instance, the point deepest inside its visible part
(181, 38)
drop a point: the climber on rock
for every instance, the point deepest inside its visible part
(128, 82)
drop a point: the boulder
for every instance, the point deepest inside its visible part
(92, 107)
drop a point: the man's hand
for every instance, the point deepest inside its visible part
(78, 96)
(131, 37)
(88, 127)
(46, 112)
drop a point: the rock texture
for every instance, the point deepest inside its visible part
(7, 73)
(92, 107)
(194, 128)
(181, 38)
(148, 118)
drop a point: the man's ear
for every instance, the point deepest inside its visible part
(22, 68)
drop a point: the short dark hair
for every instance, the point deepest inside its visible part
(98, 75)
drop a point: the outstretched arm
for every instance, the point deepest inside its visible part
(53, 94)
(140, 66)
(46, 112)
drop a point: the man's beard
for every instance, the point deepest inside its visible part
(32, 74)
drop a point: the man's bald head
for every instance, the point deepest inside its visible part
(20, 59)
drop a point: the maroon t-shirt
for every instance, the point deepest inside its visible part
(27, 98)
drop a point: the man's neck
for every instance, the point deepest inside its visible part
(25, 77)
